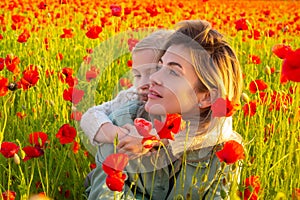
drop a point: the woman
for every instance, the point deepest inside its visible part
(198, 67)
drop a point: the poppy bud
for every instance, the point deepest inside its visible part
(245, 97)
(16, 159)
(268, 70)
(12, 86)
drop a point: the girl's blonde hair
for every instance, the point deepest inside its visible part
(155, 41)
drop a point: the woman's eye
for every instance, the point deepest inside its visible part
(173, 72)
(137, 76)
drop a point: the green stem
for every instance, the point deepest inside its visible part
(5, 120)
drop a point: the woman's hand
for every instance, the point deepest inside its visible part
(132, 143)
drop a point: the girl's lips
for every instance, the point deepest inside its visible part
(153, 94)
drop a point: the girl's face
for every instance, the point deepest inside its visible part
(172, 88)
(143, 65)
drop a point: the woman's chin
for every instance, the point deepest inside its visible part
(155, 109)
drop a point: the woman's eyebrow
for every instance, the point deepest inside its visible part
(174, 64)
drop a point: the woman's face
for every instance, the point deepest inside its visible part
(172, 88)
(143, 64)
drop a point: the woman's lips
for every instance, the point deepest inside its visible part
(154, 94)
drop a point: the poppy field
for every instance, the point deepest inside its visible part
(60, 57)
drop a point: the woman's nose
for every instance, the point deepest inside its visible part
(156, 78)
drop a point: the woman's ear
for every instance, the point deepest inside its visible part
(205, 99)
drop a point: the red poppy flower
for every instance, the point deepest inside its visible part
(250, 108)
(21, 115)
(291, 67)
(59, 56)
(38, 139)
(32, 152)
(116, 10)
(171, 126)
(65, 73)
(129, 63)
(93, 165)
(125, 82)
(131, 43)
(252, 185)
(113, 166)
(231, 152)
(76, 147)
(73, 95)
(152, 10)
(296, 194)
(254, 59)
(116, 182)
(149, 142)
(68, 33)
(91, 74)
(93, 32)
(241, 24)
(3, 86)
(9, 149)
(24, 36)
(66, 134)
(255, 34)
(143, 127)
(9, 195)
(257, 85)
(115, 163)
(30, 77)
(223, 108)
(76, 115)
(281, 50)
(12, 64)
(42, 6)
(1, 64)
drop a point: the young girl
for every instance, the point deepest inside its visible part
(103, 123)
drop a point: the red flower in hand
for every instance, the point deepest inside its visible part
(66, 134)
(252, 185)
(143, 127)
(9, 195)
(73, 95)
(9, 149)
(223, 108)
(32, 152)
(30, 77)
(113, 166)
(93, 32)
(257, 85)
(171, 126)
(231, 152)
(38, 139)
(281, 50)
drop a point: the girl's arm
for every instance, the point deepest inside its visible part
(95, 121)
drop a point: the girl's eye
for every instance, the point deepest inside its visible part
(158, 67)
(137, 76)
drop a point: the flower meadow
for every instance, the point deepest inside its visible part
(59, 57)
